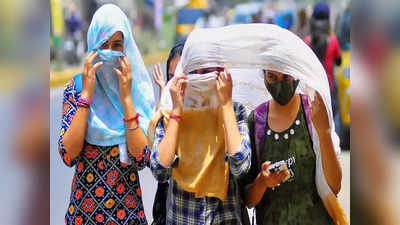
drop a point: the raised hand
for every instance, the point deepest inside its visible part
(89, 75)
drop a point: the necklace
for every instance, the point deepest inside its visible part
(285, 134)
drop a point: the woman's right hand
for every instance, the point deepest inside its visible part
(89, 75)
(177, 91)
(271, 180)
(158, 76)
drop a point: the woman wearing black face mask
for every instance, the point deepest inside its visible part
(287, 135)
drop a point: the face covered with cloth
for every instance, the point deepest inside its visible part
(202, 168)
(105, 121)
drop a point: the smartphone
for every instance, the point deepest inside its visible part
(283, 165)
(278, 166)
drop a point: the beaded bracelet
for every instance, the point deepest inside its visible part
(83, 102)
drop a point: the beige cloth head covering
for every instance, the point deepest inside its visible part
(202, 168)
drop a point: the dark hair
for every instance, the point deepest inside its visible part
(319, 37)
(175, 52)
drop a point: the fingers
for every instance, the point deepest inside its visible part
(265, 165)
(219, 82)
(280, 176)
(317, 98)
(181, 86)
(158, 75)
(283, 175)
(224, 77)
(88, 61)
(92, 70)
(317, 104)
(178, 85)
(228, 73)
(177, 78)
(155, 74)
(91, 57)
(123, 64)
(119, 73)
(158, 70)
(126, 61)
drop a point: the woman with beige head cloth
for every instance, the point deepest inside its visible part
(201, 144)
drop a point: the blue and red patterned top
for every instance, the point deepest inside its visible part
(104, 190)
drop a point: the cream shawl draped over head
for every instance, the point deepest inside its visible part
(259, 47)
(266, 47)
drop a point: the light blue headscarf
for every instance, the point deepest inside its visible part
(105, 122)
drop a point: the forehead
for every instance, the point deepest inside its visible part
(272, 72)
(117, 36)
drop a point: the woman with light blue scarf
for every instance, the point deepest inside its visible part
(106, 111)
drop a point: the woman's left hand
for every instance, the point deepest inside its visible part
(124, 78)
(224, 87)
(158, 76)
(319, 115)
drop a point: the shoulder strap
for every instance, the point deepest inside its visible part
(260, 121)
(78, 83)
(306, 105)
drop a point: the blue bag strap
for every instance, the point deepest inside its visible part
(260, 120)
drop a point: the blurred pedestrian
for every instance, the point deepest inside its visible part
(73, 42)
(302, 28)
(326, 46)
(106, 110)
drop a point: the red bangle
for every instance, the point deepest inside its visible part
(83, 105)
(175, 117)
(133, 118)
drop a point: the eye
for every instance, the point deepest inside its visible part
(271, 77)
(118, 46)
(287, 77)
(200, 71)
(104, 46)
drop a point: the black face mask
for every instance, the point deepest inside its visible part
(282, 91)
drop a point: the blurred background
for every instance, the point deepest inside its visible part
(35, 185)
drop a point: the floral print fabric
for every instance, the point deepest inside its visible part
(104, 190)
